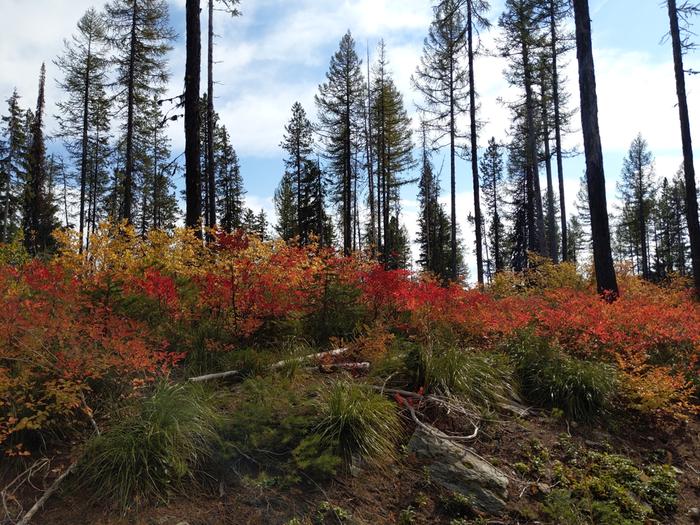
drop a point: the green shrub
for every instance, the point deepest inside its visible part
(152, 449)
(550, 378)
(599, 488)
(273, 425)
(360, 422)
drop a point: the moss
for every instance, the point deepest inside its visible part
(608, 489)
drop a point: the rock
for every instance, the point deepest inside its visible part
(460, 470)
(694, 513)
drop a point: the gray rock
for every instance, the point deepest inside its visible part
(460, 470)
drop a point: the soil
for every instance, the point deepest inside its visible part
(402, 491)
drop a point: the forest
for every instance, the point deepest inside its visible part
(170, 354)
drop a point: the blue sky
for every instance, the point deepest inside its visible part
(278, 53)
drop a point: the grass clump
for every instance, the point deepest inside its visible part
(550, 378)
(150, 451)
(359, 422)
(479, 379)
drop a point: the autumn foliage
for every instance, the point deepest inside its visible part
(77, 329)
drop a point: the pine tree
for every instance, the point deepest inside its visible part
(297, 143)
(595, 174)
(159, 208)
(393, 145)
(229, 182)
(636, 188)
(434, 226)
(521, 23)
(444, 83)
(230, 6)
(38, 219)
(680, 42)
(492, 187)
(559, 14)
(84, 66)
(285, 206)
(340, 103)
(14, 165)
(141, 36)
(476, 20)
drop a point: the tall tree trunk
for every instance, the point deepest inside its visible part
(347, 180)
(554, 39)
(532, 174)
(474, 146)
(84, 143)
(370, 161)
(691, 194)
(211, 182)
(193, 178)
(453, 178)
(129, 154)
(595, 174)
(551, 219)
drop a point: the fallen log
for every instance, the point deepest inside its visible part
(274, 366)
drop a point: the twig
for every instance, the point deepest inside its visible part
(88, 412)
(40, 502)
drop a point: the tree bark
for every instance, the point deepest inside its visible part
(84, 143)
(691, 195)
(211, 205)
(129, 155)
(193, 178)
(557, 132)
(474, 147)
(595, 173)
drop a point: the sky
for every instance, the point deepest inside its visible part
(278, 53)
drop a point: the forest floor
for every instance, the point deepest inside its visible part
(527, 449)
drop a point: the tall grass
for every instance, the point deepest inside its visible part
(360, 422)
(476, 378)
(151, 451)
(550, 378)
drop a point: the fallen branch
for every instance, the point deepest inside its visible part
(301, 359)
(47, 494)
(209, 377)
(434, 431)
(333, 367)
(275, 366)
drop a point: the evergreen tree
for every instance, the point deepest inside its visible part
(492, 187)
(476, 20)
(444, 83)
(434, 226)
(141, 36)
(297, 143)
(576, 240)
(38, 219)
(229, 182)
(681, 42)
(285, 206)
(82, 114)
(521, 23)
(158, 207)
(595, 174)
(13, 166)
(340, 107)
(393, 145)
(636, 188)
(559, 15)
